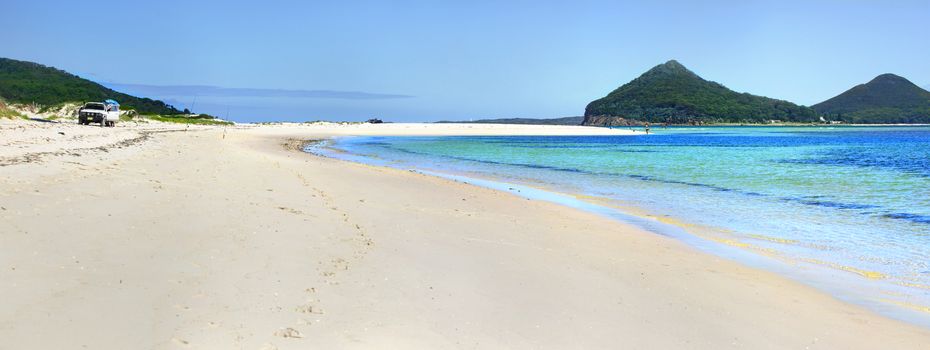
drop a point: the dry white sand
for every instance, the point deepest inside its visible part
(230, 238)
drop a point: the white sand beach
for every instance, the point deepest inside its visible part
(159, 236)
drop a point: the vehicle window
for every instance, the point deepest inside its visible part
(96, 106)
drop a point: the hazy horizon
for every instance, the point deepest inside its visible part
(424, 61)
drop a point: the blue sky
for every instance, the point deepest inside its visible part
(433, 60)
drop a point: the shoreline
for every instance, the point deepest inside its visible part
(232, 237)
(832, 280)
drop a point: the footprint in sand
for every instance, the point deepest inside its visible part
(340, 264)
(288, 333)
(308, 307)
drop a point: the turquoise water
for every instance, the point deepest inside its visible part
(846, 209)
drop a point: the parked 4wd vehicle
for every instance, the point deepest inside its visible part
(106, 113)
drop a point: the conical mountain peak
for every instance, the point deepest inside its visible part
(671, 67)
(673, 64)
(671, 93)
(889, 78)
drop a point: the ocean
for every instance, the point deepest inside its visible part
(845, 209)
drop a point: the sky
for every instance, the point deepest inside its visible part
(459, 60)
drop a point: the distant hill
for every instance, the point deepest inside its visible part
(672, 93)
(27, 82)
(886, 99)
(532, 121)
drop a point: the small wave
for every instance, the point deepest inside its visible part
(921, 219)
(829, 204)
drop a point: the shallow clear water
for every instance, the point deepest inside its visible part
(836, 203)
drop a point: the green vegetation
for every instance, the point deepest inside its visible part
(672, 93)
(27, 82)
(184, 119)
(887, 99)
(7, 113)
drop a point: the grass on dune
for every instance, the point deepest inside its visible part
(7, 113)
